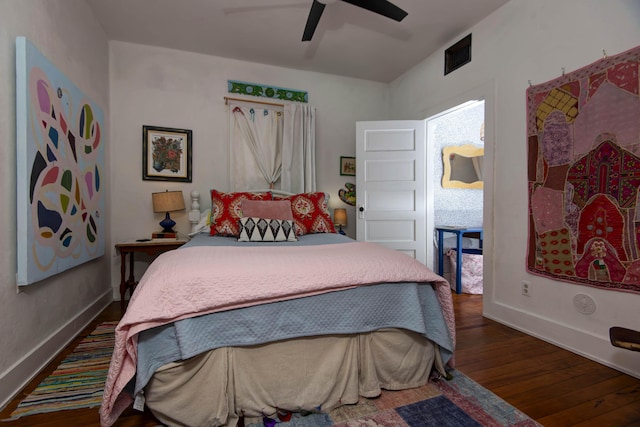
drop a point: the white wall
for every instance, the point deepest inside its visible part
(163, 87)
(37, 322)
(529, 40)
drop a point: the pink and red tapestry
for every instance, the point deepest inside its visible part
(583, 132)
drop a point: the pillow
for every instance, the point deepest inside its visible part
(268, 209)
(266, 230)
(310, 213)
(204, 224)
(226, 211)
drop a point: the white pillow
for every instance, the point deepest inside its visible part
(204, 224)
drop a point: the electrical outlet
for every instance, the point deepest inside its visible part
(526, 288)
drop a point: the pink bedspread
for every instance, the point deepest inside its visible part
(198, 280)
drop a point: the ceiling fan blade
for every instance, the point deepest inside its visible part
(382, 7)
(312, 21)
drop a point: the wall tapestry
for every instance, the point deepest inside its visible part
(583, 133)
(60, 160)
(255, 89)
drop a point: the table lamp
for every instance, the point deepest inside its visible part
(167, 201)
(340, 218)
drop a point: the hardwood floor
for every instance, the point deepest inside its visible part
(551, 385)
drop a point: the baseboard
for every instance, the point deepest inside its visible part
(24, 370)
(583, 343)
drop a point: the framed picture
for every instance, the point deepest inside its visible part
(166, 154)
(348, 166)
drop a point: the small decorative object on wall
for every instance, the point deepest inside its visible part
(255, 89)
(349, 195)
(457, 55)
(348, 166)
(584, 175)
(60, 164)
(166, 154)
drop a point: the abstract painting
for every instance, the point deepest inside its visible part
(583, 133)
(60, 170)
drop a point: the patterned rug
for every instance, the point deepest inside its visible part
(458, 402)
(583, 133)
(78, 381)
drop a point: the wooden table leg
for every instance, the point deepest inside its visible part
(123, 268)
(130, 283)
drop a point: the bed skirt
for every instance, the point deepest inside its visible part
(301, 374)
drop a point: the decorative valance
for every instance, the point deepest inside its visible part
(273, 92)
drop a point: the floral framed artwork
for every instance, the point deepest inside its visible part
(348, 166)
(166, 154)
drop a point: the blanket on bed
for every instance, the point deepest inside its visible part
(198, 280)
(409, 306)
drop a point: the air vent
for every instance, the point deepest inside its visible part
(457, 55)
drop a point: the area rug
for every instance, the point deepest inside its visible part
(583, 132)
(78, 381)
(457, 402)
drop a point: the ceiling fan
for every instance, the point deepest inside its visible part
(381, 7)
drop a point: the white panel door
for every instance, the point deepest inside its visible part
(392, 192)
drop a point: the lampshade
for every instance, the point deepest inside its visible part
(340, 217)
(167, 201)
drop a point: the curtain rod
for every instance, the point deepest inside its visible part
(228, 98)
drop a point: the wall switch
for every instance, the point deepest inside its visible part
(526, 291)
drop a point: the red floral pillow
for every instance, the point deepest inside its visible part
(310, 213)
(226, 211)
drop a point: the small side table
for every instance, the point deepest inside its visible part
(151, 248)
(459, 232)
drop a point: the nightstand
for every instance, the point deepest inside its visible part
(151, 248)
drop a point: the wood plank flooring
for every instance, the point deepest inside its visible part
(551, 385)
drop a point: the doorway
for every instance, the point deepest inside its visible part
(458, 203)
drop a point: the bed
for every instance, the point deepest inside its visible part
(227, 329)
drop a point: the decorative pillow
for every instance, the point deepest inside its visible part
(266, 230)
(226, 211)
(310, 213)
(268, 209)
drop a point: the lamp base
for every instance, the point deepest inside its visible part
(167, 224)
(340, 231)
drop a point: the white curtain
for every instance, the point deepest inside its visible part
(257, 147)
(299, 149)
